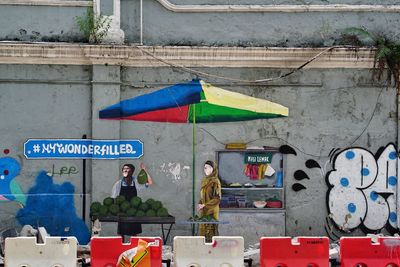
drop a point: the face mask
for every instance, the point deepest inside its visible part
(208, 169)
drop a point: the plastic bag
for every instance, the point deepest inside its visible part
(142, 177)
(136, 257)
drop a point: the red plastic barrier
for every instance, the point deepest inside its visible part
(306, 252)
(362, 252)
(104, 251)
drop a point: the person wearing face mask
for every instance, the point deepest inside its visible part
(210, 197)
(128, 187)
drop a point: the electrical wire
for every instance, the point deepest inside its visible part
(370, 119)
(196, 72)
(259, 81)
(301, 150)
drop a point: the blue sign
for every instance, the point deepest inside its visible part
(82, 149)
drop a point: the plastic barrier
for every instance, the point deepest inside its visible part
(105, 251)
(54, 252)
(360, 251)
(305, 252)
(223, 251)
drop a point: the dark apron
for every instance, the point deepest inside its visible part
(129, 228)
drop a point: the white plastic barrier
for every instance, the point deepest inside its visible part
(223, 251)
(55, 252)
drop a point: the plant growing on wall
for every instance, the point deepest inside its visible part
(94, 27)
(387, 54)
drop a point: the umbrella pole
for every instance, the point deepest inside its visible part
(193, 166)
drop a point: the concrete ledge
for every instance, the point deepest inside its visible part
(195, 57)
(225, 8)
(277, 8)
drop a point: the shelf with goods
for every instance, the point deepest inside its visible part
(241, 191)
(251, 188)
(251, 178)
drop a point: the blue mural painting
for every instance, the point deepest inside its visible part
(9, 188)
(52, 206)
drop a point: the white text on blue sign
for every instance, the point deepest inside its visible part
(83, 148)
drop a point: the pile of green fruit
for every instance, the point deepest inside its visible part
(205, 218)
(134, 207)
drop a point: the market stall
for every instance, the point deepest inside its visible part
(253, 192)
(133, 211)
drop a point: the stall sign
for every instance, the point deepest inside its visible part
(253, 158)
(82, 149)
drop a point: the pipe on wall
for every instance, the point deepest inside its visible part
(65, 3)
(278, 8)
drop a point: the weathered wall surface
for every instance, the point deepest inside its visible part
(164, 27)
(40, 23)
(308, 29)
(329, 109)
(41, 102)
(339, 120)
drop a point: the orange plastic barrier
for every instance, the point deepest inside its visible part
(360, 251)
(105, 251)
(306, 252)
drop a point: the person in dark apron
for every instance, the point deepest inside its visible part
(128, 187)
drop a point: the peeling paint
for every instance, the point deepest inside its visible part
(173, 169)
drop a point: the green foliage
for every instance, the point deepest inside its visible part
(94, 27)
(387, 55)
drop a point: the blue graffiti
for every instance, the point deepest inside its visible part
(52, 206)
(9, 188)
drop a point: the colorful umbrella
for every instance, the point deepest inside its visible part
(193, 102)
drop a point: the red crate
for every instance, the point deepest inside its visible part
(306, 252)
(104, 251)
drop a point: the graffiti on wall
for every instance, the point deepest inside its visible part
(10, 190)
(52, 206)
(46, 204)
(361, 188)
(173, 170)
(64, 170)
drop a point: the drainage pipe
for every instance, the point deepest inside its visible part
(278, 8)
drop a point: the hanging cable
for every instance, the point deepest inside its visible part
(259, 81)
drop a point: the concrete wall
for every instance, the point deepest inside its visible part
(39, 101)
(40, 23)
(164, 27)
(308, 29)
(329, 109)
